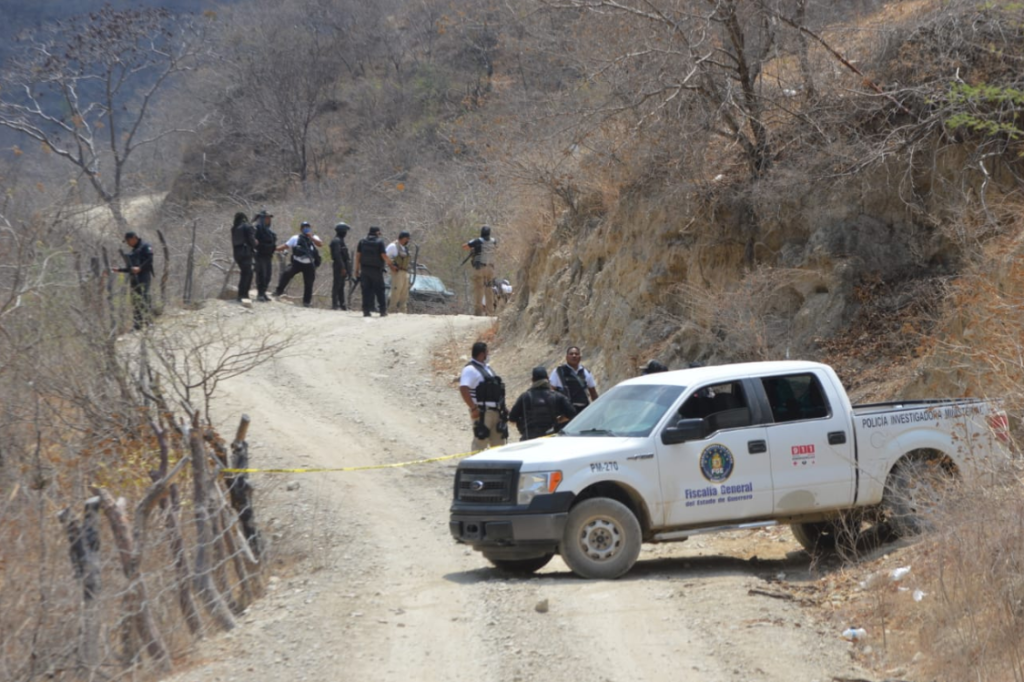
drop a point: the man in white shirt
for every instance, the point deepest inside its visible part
(574, 380)
(400, 265)
(485, 399)
(305, 259)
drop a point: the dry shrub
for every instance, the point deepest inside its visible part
(970, 622)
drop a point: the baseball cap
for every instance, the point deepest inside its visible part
(374, 230)
(539, 373)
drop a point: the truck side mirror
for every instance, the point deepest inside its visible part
(684, 430)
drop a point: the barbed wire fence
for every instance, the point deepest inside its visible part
(105, 588)
(122, 541)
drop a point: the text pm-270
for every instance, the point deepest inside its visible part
(661, 457)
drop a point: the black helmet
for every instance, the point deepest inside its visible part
(342, 228)
(485, 231)
(653, 367)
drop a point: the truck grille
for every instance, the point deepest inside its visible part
(491, 486)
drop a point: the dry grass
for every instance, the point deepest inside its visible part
(959, 613)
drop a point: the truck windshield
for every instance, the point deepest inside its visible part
(625, 411)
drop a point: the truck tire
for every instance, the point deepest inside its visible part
(601, 539)
(913, 494)
(821, 536)
(521, 566)
(842, 534)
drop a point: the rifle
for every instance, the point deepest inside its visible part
(351, 291)
(415, 260)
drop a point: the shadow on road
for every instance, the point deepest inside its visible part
(798, 565)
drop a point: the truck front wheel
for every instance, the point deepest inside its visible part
(601, 539)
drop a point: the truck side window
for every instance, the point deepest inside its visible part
(795, 397)
(723, 406)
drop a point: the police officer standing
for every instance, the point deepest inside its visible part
(574, 380)
(371, 256)
(341, 264)
(243, 245)
(401, 262)
(484, 394)
(540, 410)
(139, 267)
(484, 249)
(305, 258)
(266, 245)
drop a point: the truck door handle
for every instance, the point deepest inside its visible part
(756, 447)
(837, 438)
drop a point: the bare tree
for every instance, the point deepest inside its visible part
(85, 88)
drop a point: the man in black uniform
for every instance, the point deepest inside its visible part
(139, 268)
(266, 245)
(371, 256)
(341, 262)
(540, 410)
(243, 244)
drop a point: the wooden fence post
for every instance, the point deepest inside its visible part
(240, 490)
(212, 600)
(84, 542)
(170, 504)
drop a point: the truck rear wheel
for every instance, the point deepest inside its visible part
(521, 566)
(913, 494)
(601, 539)
(834, 535)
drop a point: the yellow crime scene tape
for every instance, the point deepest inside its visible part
(318, 470)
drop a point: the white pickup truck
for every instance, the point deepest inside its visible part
(664, 456)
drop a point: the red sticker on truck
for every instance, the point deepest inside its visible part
(803, 455)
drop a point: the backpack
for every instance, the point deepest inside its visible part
(265, 238)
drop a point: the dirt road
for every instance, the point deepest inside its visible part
(376, 590)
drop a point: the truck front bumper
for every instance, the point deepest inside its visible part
(484, 531)
(492, 527)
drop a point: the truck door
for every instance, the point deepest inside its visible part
(811, 445)
(725, 475)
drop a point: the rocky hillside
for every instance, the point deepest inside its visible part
(846, 249)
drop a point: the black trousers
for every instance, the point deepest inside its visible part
(264, 270)
(244, 259)
(372, 281)
(338, 287)
(308, 271)
(142, 306)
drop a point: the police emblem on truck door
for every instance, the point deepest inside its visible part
(716, 463)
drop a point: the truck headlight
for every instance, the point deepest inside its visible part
(539, 483)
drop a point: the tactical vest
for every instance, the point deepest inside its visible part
(484, 252)
(238, 235)
(574, 385)
(539, 413)
(402, 260)
(491, 390)
(266, 238)
(369, 253)
(304, 250)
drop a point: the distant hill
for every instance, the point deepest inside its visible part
(17, 15)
